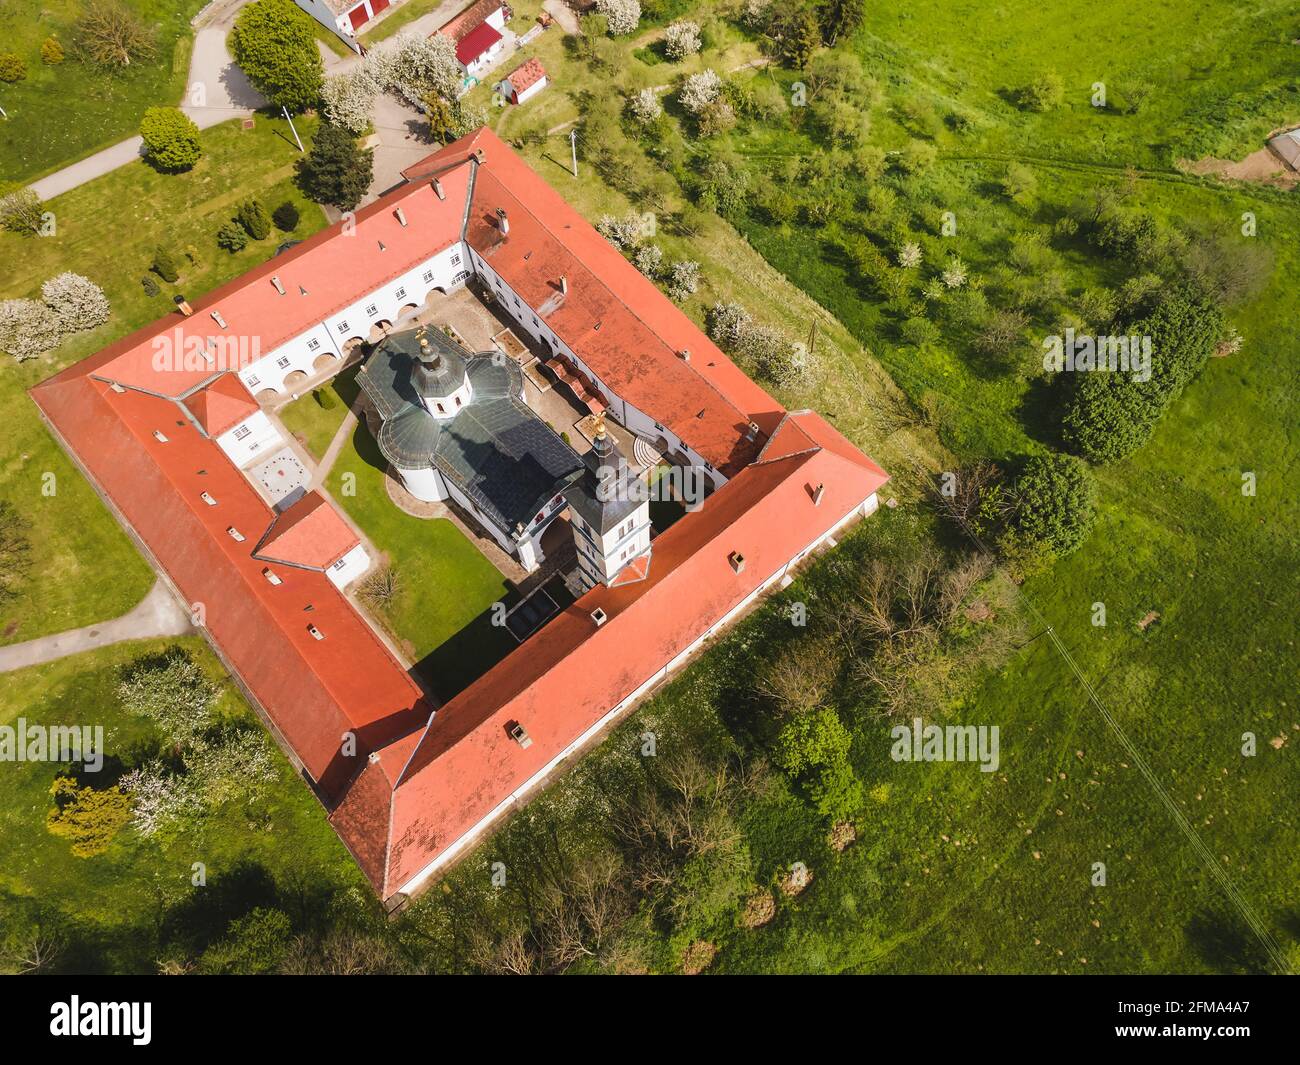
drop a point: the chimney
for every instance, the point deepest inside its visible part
(275, 280)
(183, 306)
(685, 354)
(520, 735)
(599, 617)
(751, 432)
(401, 216)
(216, 317)
(503, 223)
(564, 284)
(478, 156)
(271, 577)
(737, 561)
(818, 492)
(438, 190)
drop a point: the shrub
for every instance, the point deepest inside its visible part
(1019, 183)
(77, 302)
(253, 217)
(110, 34)
(645, 107)
(88, 818)
(325, 398)
(683, 279)
(12, 67)
(285, 217)
(164, 265)
(1053, 502)
(233, 237)
(700, 90)
(149, 285)
(171, 139)
(51, 52)
(28, 328)
(681, 39)
(649, 259)
(621, 16)
(909, 255)
(1042, 94)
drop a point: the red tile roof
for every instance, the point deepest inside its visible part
(309, 533)
(313, 691)
(221, 405)
(468, 20)
(526, 75)
(417, 785)
(476, 42)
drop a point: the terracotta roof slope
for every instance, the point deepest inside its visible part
(221, 405)
(308, 533)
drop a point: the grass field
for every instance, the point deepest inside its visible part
(61, 113)
(120, 911)
(84, 567)
(314, 424)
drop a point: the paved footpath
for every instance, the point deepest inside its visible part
(215, 92)
(157, 615)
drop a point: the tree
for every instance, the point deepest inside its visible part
(442, 117)
(796, 35)
(164, 264)
(683, 279)
(681, 39)
(621, 16)
(109, 33)
(839, 18)
(233, 237)
(1019, 183)
(12, 67)
(1053, 502)
(418, 66)
(172, 690)
(28, 328)
(77, 302)
(285, 217)
(336, 171)
(253, 217)
(20, 212)
(51, 52)
(645, 107)
(349, 98)
(700, 90)
(1043, 93)
(817, 743)
(274, 43)
(15, 551)
(171, 139)
(255, 944)
(88, 817)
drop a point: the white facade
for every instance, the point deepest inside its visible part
(252, 438)
(601, 557)
(349, 567)
(330, 339)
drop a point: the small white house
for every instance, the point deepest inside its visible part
(479, 34)
(524, 82)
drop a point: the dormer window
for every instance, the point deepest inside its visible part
(207, 498)
(157, 435)
(316, 634)
(235, 534)
(216, 317)
(271, 577)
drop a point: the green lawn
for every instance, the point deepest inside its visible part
(59, 114)
(84, 567)
(441, 613)
(314, 424)
(121, 910)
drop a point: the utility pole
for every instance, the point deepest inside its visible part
(289, 118)
(573, 145)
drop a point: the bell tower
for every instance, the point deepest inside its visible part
(610, 515)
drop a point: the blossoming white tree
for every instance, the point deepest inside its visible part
(77, 302)
(682, 39)
(622, 16)
(699, 91)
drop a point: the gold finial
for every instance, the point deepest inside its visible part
(600, 426)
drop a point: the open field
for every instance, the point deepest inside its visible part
(125, 909)
(61, 113)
